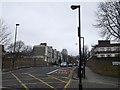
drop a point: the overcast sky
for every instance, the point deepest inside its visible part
(51, 22)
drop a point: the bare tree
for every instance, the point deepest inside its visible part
(4, 35)
(27, 49)
(64, 55)
(64, 51)
(18, 48)
(108, 19)
(86, 50)
(10, 47)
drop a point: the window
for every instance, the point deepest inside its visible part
(113, 55)
(117, 48)
(108, 49)
(117, 55)
(108, 55)
(101, 49)
(98, 55)
(113, 48)
(102, 55)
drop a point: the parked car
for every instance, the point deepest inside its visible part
(75, 64)
(70, 65)
(63, 64)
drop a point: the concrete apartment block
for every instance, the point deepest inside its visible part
(49, 54)
(105, 58)
(39, 51)
(45, 53)
(105, 49)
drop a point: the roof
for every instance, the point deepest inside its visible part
(106, 43)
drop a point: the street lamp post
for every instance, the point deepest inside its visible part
(79, 35)
(15, 45)
(83, 59)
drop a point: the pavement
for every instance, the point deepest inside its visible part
(95, 81)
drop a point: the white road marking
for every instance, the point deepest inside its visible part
(52, 71)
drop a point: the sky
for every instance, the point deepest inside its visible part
(54, 23)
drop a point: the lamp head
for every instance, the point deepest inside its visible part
(73, 7)
(17, 24)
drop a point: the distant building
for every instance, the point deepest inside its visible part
(46, 53)
(49, 54)
(105, 49)
(54, 55)
(39, 51)
(42, 52)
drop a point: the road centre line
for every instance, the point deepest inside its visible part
(20, 81)
(42, 81)
(57, 79)
(68, 83)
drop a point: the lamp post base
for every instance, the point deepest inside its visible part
(80, 86)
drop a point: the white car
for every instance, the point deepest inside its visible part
(70, 65)
(63, 64)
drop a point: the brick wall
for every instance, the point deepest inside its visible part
(104, 66)
(22, 62)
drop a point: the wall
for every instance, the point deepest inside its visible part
(104, 66)
(22, 62)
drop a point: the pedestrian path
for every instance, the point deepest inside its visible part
(94, 81)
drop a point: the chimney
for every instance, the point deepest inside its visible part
(45, 44)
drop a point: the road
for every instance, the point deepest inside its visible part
(55, 78)
(34, 78)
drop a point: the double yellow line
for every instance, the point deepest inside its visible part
(42, 81)
(24, 85)
(68, 83)
(20, 81)
(57, 79)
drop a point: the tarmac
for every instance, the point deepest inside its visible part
(92, 80)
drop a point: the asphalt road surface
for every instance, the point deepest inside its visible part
(55, 78)
(34, 78)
